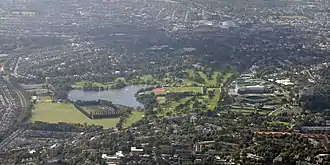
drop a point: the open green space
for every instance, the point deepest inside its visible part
(190, 72)
(179, 82)
(188, 82)
(136, 115)
(227, 76)
(145, 79)
(213, 102)
(183, 89)
(212, 81)
(214, 78)
(65, 112)
(203, 75)
(81, 84)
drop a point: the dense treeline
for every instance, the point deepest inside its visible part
(317, 98)
(175, 96)
(149, 102)
(90, 87)
(63, 127)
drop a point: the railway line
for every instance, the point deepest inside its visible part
(12, 112)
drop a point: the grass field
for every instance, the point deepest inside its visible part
(183, 89)
(212, 81)
(214, 78)
(133, 118)
(146, 79)
(62, 112)
(213, 102)
(188, 82)
(81, 84)
(190, 72)
(226, 77)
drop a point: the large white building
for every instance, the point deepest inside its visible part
(252, 89)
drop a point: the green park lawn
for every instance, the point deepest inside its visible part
(227, 76)
(214, 78)
(183, 89)
(190, 72)
(133, 118)
(212, 81)
(213, 102)
(188, 82)
(145, 79)
(64, 112)
(81, 84)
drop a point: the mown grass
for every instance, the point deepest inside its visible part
(190, 72)
(136, 116)
(183, 89)
(81, 84)
(65, 112)
(227, 76)
(213, 102)
(212, 81)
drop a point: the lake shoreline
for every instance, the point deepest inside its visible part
(123, 96)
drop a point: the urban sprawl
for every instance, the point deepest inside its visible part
(166, 82)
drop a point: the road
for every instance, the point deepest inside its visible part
(16, 67)
(310, 75)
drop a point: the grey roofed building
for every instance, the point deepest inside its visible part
(3, 55)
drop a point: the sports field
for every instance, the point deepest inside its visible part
(64, 112)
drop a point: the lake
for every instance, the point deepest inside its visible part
(124, 96)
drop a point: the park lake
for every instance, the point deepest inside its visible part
(123, 96)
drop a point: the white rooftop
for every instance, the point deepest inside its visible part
(284, 82)
(32, 151)
(134, 149)
(53, 146)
